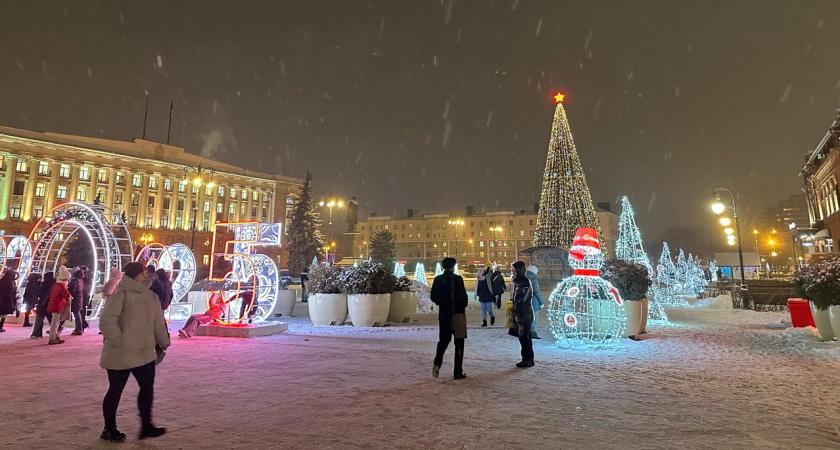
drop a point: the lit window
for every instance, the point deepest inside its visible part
(289, 201)
(37, 212)
(152, 182)
(118, 198)
(182, 187)
(21, 165)
(84, 174)
(164, 221)
(81, 195)
(221, 191)
(167, 184)
(232, 193)
(195, 190)
(481, 243)
(206, 259)
(219, 207)
(40, 190)
(208, 191)
(522, 232)
(206, 207)
(62, 192)
(231, 210)
(255, 196)
(120, 179)
(43, 168)
(15, 211)
(102, 175)
(242, 210)
(137, 180)
(64, 171)
(244, 194)
(148, 221)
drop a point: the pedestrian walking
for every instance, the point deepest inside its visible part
(536, 299)
(8, 295)
(449, 294)
(163, 289)
(87, 291)
(77, 302)
(484, 294)
(41, 308)
(30, 296)
(132, 324)
(59, 304)
(521, 293)
(497, 280)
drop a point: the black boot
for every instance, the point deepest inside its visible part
(112, 435)
(151, 431)
(529, 363)
(534, 335)
(483, 323)
(492, 320)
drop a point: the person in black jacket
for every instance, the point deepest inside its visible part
(484, 294)
(449, 294)
(77, 303)
(8, 295)
(497, 280)
(41, 308)
(30, 296)
(521, 292)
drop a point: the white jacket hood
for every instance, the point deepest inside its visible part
(532, 268)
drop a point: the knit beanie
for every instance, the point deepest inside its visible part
(63, 275)
(133, 269)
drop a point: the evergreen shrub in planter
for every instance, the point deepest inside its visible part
(327, 303)
(819, 283)
(632, 282)
(403, 302)
(369, 286)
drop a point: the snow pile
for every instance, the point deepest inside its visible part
(424, 302)
(719, 302)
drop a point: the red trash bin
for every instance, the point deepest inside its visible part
(800, 313)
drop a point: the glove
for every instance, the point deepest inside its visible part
(499, 303)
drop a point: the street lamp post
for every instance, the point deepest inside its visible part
(200, 174)
(718, 208)
(456, 222)
(331, 203)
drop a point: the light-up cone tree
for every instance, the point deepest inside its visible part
(438, 269)
(420, 274)
(399, 269)
(629, 248)
(565, 201)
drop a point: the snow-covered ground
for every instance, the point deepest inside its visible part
(713, 378)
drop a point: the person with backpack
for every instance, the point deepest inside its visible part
(449, 294)
(484, 294)
(521, 293)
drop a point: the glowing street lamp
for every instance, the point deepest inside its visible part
(455, 223)
(146, 238)
(198, 175)
(725, 221)
(718, 207)
(729, 231)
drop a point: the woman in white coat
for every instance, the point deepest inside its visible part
(131, 323)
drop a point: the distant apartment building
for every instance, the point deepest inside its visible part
(821, 176)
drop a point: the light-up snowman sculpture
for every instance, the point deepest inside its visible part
(585, 309)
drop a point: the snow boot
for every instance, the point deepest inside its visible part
(483, 323)
(27, 324)
(151, 431)
(113, 435)
(460, 376)
(492, 320)
(534, 335)
(435, 371)
(525, 363)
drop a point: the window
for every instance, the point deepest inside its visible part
(208, 191)
(522, 232)
(135, 201)
(179, 220)
(531, 222)
(180, 204)
(132, 219)
(120, 179)
(195, 190)
(231, 210)
(84, 174)
(182, 187)
(206, 259)
(164, 221)
(148, 221)
(62, 193)
(152, 182)
(118, 198)
(151, 201)
(244, 194)
(481, 243)
(255, 196)
(242, 210)
(265, 196)
(43, 168)
(37, 212)
(219, 207)
(232, 193)
(167, 184)
(206, 207)
(40, 190)
(510, 233)
(490, 243)
(253, 212)
(64, 171)
(289, 201)
(137, 180)
(21, 165)
(221, 191)
(15, 211)
(18, 188)
(480, 233)
(81, 195)
(102, 176)
(264, 211)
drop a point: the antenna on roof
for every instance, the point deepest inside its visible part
(145, 116)
(169, 131)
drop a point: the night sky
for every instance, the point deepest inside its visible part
(441, 104)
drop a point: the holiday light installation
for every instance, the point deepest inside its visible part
(182, 277)
(399, 269)
(585, 309)
(16, 254)
(565, 201)
(438, 269)
(249, 269)
(420, 274)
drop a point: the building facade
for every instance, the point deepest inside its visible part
(166, 194)
(821, 174)
(497, 235)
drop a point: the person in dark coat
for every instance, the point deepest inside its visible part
(497, 280)
(30, 296)
(304, 277)
(449, 294)
(163, 288)
(87, 291)
(77, 302)
(484, 294)
(41, 307)
(249, 303)
(8, 295)
(521, 294)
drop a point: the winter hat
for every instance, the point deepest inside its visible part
(448, 263)
(585, 243)
(133, 269)
(532, 268)
(79, 273)
(63, 275)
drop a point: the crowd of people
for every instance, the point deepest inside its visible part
(450, 295)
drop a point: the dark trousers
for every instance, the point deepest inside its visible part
(445, 337)
(38, 329)
(527, 344)
(78, 321)
(145, 376)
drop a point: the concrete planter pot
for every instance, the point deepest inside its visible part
(823, 322)
(327, 309)
(285, 303)
(368, 310)
(645, 312)
(634, 318)
(403, 307)
(834, 319)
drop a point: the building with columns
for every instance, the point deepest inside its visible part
(153, 184)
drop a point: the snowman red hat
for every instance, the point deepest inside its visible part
(585, 243)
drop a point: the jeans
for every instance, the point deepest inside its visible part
(527, 344)
(486, 308)
(54, 323)
(79, 321)
(534, 323)
(445, 337)
(145, 376)
(38, 327)
(194, 321)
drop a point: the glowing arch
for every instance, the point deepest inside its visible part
(165, 257)
(16, 252)
(102, 226)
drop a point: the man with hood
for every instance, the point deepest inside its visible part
(521, 293)
(536, 297)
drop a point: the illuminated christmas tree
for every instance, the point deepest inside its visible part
(399, 269)
(420, 274)
(438, 269)
(628, 247)
(565, 201)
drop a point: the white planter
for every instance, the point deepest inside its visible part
(327, 309)
(403, 306)
(822, 321)
(634, 317)
(834, 318)
(645, 311)
(285, 303)
(368, 310)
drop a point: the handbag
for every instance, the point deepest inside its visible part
(459, 321)
(509, 315)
